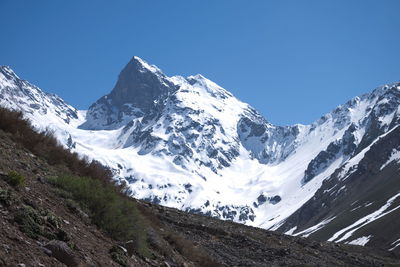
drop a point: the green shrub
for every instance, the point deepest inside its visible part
(119, 255)
(51, 219)
(7, 197)
(15, 179)
(29, 222)
(62, 235)
(40, 222)
(109, 209)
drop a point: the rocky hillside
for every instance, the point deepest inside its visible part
(44, 224)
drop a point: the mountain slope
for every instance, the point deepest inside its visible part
(359, 203)
(202, 150)
(37, 215)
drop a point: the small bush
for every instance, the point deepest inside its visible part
(7, 197)
(51, 219)
(29, 222)
(63, 236)
(119, 255)
(110, 210)
(40, 222)
(15, 179)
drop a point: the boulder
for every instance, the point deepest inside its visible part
(62, 252)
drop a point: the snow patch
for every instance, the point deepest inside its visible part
(347, 232)
(291, 231)
(361, 241)
(312, 229)
(395, 244)
(395, 156)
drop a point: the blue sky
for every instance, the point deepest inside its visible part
(291, 60)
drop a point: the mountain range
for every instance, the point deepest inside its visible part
(187, 143)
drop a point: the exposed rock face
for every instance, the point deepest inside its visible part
(140, 85)
(140, 91)
(339, 148)
(266, 142)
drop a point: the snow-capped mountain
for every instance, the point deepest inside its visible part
(190, 144)
(45, 111)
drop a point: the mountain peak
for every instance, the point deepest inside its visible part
(140, 89)
(139, 83)
(142, 65)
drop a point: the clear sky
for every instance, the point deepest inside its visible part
(291, 60)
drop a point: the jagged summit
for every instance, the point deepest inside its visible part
(142, 64)
(140, 90)
(140, 85)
